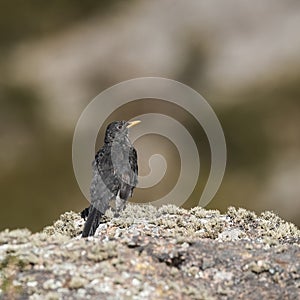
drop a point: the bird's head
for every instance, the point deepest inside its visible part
(118, 130)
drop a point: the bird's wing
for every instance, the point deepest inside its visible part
(104, 185)
(129, 176)
(101, 193)
(103, 160)
(134, 166)
(133, 160)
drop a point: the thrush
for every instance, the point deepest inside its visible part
(115, 172)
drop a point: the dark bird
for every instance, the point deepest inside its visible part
(115, 172)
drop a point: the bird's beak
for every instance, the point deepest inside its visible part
(133, 123)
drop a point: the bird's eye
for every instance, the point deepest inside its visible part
(120, 127)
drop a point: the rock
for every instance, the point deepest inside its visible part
(165, 253)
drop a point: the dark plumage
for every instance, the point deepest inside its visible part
(115, 172)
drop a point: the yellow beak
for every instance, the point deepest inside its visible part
(133, 123)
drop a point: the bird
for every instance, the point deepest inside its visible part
(115, 175)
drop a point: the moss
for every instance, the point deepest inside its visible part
(167, 223)
(77, 282)
(9, 268)
(200, 212)
(182, 224)
(274, 227)
(258, 266)
(17, 236)
(241, 215)
(99, 252)
(13, 261)
(213, 227)
(52, 296)
(70, 224)
(269, 227)
(171, 210)
(143, 211)
(124, 222)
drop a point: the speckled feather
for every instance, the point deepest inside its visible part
(115, 172)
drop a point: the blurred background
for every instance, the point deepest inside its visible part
(56, 56)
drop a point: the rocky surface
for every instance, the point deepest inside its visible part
(149, 253)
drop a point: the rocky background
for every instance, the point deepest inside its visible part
(150, 253)
(243, 57)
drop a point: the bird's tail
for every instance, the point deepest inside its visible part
(92, 222)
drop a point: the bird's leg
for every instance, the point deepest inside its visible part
(120, 204)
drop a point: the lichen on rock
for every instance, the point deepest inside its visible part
(154, 253)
